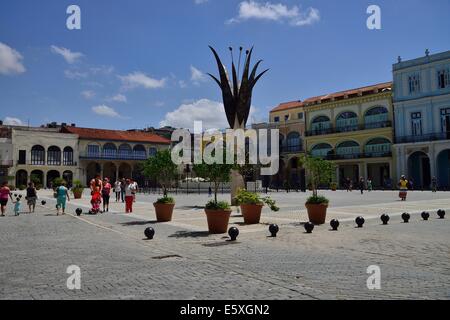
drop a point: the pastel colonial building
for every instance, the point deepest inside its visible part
(422, 118)
(114, 153)
(289, 119)
(354, 129)
(42, 155)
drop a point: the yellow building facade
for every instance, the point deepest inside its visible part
(354, 129)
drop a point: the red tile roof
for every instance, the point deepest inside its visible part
(117, 135)
(337, 95)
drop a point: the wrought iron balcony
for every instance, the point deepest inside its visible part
(140, 156)
(424, 137)
(291, 149)
(47, 163)
(365, 126)
(361, 155)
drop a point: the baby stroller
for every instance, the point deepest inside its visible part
(96, 200)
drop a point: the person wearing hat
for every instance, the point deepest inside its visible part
(129, 189)
(106, 192)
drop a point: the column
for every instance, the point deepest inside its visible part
(338, 180)
(117, 171)
(432, 156)
(101, 169)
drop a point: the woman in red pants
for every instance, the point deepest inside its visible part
(128, 196)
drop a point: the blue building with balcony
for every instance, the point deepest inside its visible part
(421, 99)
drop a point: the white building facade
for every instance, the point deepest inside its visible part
(422, 119)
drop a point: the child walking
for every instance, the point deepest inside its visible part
(17, 205)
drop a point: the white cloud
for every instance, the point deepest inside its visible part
(139, 79)
(74, 74)
(182, 84)
(69, 56)
(200, 1)
(211, 113)
(101, 70)
(10, 60)
(197, 76)
(119, 98)
(275, 12)
(88, 94)
(160, 104)
(106, 111)
(12, 121)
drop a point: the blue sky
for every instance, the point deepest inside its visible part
(139, 63)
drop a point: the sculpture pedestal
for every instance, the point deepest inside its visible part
(237, 182)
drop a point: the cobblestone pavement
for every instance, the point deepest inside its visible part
(184, 262)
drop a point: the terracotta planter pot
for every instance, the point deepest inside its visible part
(164, 211)
(217, 220)
(77, 194)
(317, 213)
(251, 213)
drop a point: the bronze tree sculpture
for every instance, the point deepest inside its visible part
(237, 96)
(237, 100)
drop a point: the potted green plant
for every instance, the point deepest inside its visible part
(217, 212)
(162, 169)
(319, 172)
(77, 189)
(251, 205)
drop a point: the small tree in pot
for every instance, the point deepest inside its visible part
(217, 212)
(251, 205)
(77, 189)
(161, 168)
(320, 172)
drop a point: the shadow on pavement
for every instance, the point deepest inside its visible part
(138, 223)
(189, 234)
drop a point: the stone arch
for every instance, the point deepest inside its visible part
(54, 156)
(321, 149)
(68, 177)
(52, 175)
(109, 150)
(37, 177)
(125, 170)
(139, 152)
(443, 169)
(419, 170)
(92, 169)
(21, 178)
(38, 155)
(294, 142)
(109, 171)
(68, 156)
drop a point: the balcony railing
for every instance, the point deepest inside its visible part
(290, 149)
(424, 137)
(114, 156)
(365, 126)
(361, 155)
(43, 163)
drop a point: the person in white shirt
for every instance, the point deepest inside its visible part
(135, 187)
(129, 189)
(117, 189)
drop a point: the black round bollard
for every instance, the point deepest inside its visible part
(334, 224)
(233, 232)
(273, 229)
(78, 211)
(149, 233)
(309, 227)
(360, 222)
(441, 214)
(43, 202)
(425, 215)
(406, 217)
(385, 218)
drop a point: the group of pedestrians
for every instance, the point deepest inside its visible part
(6, 195)
(124, 189)
(361, 184)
